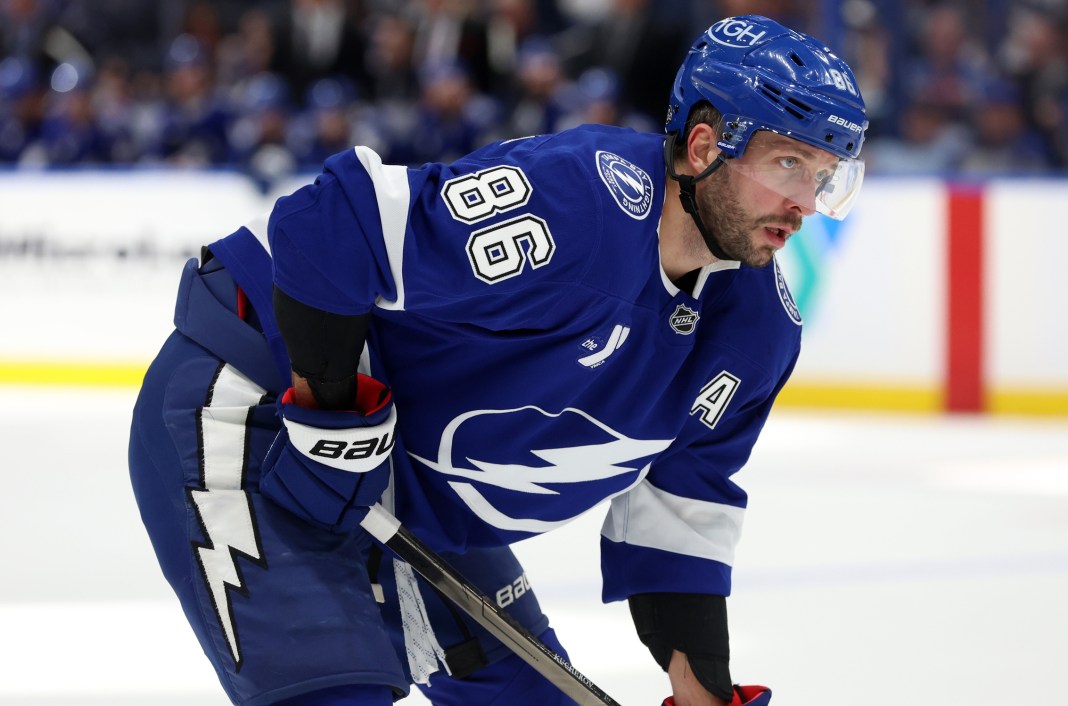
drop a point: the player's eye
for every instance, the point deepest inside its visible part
(789, 162)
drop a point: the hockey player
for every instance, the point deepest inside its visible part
(491, 348)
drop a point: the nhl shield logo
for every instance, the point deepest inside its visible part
(683, 320)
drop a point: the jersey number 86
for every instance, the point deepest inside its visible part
(502, 250)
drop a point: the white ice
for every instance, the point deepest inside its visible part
(885, 560)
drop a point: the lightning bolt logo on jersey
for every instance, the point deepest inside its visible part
(629, 184)
(223, 507)
(541, 359)
(582, 454)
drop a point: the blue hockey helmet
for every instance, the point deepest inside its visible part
(763, 76)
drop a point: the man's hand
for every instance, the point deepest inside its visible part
(685, 688)
(302, 394)
(328, 466)
(687, 691)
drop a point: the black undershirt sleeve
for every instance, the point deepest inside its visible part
(692, 623)
(324, 348)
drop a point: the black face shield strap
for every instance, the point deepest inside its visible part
(688, 193)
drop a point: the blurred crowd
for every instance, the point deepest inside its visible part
(274, 86)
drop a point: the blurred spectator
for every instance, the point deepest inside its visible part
(539, 103)
(25, 26)
(928, 142)
(319, 38)
(868, 45)
(451, 32)
(248, 51)
(260, 127)
(276, 85)
(202, 23)
(451, 120)
(630, 42)
(391, 71)
(115, 109)
(132, 31)
(792, 13)
(511, 25)
(949, 68)
(595, 99)
(1035, 55)
(21, 109)
(72, 133)
(1004, 142)
(335, 119)
(194, 119)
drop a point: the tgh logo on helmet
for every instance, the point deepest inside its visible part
(737, 33)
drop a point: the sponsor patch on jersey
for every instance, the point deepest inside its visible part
(785, 297)
(598, 349)
(683, 320)
(628, 183)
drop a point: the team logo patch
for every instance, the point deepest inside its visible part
(510, 466)
(683, 320)
(785, 297)
(628, 183)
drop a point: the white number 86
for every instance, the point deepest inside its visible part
(496, 252)
(474, 197)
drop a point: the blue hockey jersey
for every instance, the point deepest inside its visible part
(541, 360)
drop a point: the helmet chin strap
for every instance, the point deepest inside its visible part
(688, 193)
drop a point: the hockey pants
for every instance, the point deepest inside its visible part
(283, 609)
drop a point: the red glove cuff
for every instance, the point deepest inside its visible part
(743, 696)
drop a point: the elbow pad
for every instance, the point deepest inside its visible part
(692, 623)
(323, 348)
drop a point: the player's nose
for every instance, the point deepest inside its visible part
(802, 199)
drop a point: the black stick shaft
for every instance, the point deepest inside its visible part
(388, 530)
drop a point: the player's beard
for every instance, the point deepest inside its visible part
(730, 225)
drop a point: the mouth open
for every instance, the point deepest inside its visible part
(777, 236)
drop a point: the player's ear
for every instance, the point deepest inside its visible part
(701, 149)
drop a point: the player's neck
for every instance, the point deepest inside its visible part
(682, 249)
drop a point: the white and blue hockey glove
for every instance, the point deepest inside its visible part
(328, 466)
(743, 696)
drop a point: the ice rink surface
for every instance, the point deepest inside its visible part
(885, 560)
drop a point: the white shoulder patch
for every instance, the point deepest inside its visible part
(628, 183)
(785, 297)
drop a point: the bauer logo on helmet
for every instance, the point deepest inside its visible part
(847, 124)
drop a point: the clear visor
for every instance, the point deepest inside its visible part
(830, 189)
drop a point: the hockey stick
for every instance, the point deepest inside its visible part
(387, 529)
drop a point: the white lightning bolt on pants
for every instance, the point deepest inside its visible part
(281, 607)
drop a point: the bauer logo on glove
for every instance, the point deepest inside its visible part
(352, 448)
(356, 450)
(328, 466)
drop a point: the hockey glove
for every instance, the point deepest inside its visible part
(743, 696)
(328, 467)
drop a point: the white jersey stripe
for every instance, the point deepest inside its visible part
(394, 199)
(649, 517)
(258, 227)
